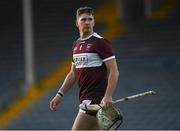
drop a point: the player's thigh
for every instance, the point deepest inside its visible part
(85, 122)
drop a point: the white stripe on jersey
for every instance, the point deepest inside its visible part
(109, 58)
(98, 36)
(84, 60)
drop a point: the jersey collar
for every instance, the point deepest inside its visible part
(87, 37)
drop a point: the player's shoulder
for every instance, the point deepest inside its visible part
(97, 36)
(75, 42)
(100, 38)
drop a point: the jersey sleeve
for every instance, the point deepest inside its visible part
(72, 60)
(105, 50)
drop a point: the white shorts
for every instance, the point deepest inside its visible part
(92, 113)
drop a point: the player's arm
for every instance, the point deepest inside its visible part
(67, 84)
(69, 80)
(113, 75)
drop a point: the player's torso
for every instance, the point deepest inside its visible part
(85, 54)
(89, 68)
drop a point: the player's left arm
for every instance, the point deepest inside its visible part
(113, 75)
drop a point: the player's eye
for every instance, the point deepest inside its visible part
(83, 19)
(86, 19)
(90, 19)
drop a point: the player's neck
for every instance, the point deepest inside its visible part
(85, 35)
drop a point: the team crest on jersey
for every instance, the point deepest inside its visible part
(89, 46)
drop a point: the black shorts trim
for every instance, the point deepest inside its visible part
(91, 113)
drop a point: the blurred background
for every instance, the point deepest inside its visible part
(35, 53)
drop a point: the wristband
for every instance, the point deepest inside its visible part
(60, 93)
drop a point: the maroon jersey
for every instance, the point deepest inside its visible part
(89, 55)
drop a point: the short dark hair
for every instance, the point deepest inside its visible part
(83, 10)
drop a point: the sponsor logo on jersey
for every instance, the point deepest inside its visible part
(84, 60)
(80, 60)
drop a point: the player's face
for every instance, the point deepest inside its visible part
(85, 23)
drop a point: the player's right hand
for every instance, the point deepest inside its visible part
(54, 103)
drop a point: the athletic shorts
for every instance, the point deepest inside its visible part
(91, 113)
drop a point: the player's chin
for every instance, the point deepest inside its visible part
(87, 30)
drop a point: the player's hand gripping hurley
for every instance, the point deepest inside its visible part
(96, 107)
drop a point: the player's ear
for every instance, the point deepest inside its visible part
(76, 22)
(94, 23)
